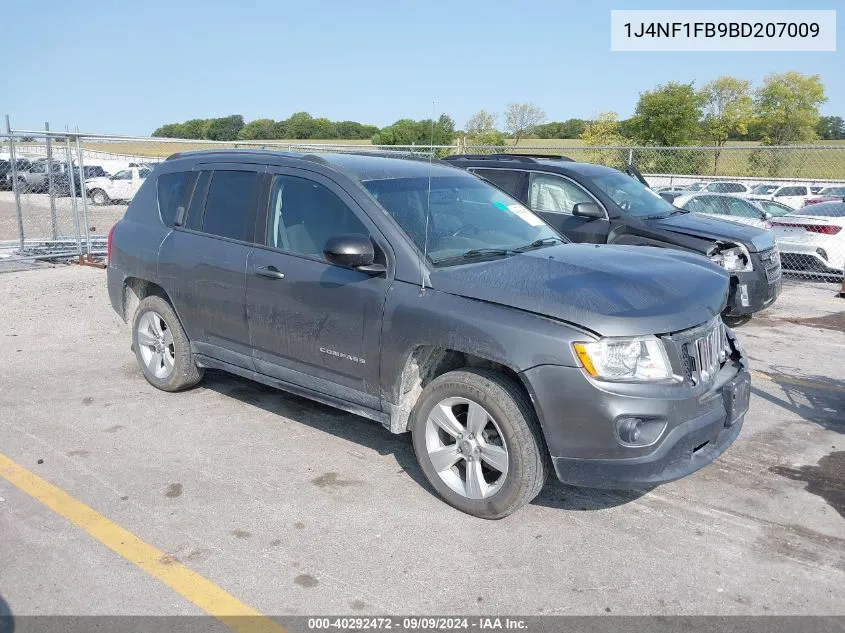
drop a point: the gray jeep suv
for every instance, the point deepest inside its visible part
(424, 298)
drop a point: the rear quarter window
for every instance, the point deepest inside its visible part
(174, 191)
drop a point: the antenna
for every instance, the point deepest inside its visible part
(428, 201)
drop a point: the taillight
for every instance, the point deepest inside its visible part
(807, 203)
(108, 242)
(824, 229)
(767, 225)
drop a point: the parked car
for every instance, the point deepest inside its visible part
(813, 239)
(734, 208)
(762, 189)
(424, 298)
(826, 194)
(36, 179)
(668, 188)
(62, 182)
(726, 186)
(695, 186)
(21, 165)
(790, 195)
(600, 205)
(837, 191)
(122, 186)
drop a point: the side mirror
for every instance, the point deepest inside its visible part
(353, 250)
(588, 210)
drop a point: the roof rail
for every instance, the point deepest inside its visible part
(245, 152)
(523, 158)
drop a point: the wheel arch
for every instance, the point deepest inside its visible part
(135, 289)
(423, 364)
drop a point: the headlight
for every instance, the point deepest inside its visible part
(625, 359)
(735, 259)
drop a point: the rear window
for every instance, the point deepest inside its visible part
(823, 210)
(792, 191)
(513, 182)
(174, 190)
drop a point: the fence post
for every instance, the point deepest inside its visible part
(15, 185)
(630, 156)
(73, 206)
(50, 188)
(83, 195)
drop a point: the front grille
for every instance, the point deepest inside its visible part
(703, 351)
(771, 263)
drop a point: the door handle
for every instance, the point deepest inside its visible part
(269, 271)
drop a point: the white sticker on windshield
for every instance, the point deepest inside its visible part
(525, 214)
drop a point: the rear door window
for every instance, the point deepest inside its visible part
(230, 205)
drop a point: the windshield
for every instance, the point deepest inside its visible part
(763, 190)
(631, 196)
(467, 215)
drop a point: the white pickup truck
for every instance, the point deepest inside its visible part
(121, 186)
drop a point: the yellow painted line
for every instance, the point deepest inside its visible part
(797, 382)
(188, 584)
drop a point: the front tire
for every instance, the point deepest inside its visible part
(479, 444)
(162, 347)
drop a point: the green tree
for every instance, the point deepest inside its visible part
(569, 129)
(300, 125)
(521, 119)
(667, 115)
(260, 129)
(604, 132)
(728, 109)
(831, 128)
(787, 107)
(424, 132)
(481, 129)
(225, 128)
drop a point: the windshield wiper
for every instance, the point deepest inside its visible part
(677, 211)
(545, 241)
(485, 252)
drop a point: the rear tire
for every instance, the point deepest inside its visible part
(98, 196)
(494, 460)
(162, 347)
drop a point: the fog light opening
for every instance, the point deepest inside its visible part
(634, 431)
(743, 295)
(822, 253)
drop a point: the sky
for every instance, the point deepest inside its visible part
(129, 67)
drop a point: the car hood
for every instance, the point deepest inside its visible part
(611, 290)
(715, 229)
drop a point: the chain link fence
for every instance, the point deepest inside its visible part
(65, 190)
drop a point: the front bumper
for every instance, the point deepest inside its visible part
(754, 290)
(579, 415)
